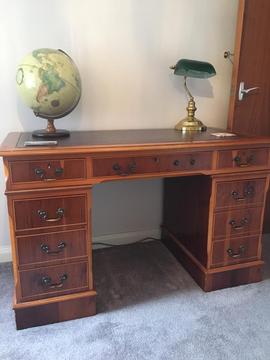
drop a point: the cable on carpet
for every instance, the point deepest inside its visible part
(131, 243)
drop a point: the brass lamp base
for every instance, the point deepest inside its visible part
(50, 131)
(190, 125)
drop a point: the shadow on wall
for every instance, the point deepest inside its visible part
(198, 87)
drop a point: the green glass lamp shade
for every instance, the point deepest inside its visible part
(194, 69)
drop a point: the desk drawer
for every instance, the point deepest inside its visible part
(52, 247)
(234, 251)
(126, 166)
(47, 170)
(49, 211)
(243, 158)
(237, 222)
(242, 192)
(187, 161)
(152, 164)
(54, 280)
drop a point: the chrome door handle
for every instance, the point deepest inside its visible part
(243, 91)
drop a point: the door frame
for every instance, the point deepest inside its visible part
(236, 61)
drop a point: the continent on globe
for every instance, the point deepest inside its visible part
(51, 82)
(48, 82)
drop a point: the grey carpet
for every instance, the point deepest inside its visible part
(148, 308)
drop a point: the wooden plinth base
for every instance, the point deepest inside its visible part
(52, 310)
(213, 279)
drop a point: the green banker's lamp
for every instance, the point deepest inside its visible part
(193, 69)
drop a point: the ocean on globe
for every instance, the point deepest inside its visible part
(48, 82)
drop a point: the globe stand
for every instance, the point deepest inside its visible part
(50, 131)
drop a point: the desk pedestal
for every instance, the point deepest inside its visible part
(213, 279)
(218, 242)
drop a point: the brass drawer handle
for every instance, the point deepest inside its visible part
(44, 215)
(242, 224)
(59, 171)
(46, 249)
(236, 255)
(41, 173)
(248, 192)
(131, 169)
(117, 168)
(46, 282)
(243, 163)
(192, 162)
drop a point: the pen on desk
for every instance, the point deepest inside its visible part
(41, 143)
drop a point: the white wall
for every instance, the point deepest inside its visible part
(123, 49)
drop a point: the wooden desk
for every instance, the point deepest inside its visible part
(214, 199)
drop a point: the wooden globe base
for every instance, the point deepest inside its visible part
(50, 132)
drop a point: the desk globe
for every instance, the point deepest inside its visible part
(48, 82)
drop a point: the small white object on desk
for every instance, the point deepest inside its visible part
(41, 143)
(223, 134)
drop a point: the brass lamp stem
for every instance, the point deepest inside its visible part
(191, 108)
(187, 89)
(190, 123)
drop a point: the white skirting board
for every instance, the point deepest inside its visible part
(5, 253)
(113, 239)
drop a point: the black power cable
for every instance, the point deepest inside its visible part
(132, 243)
